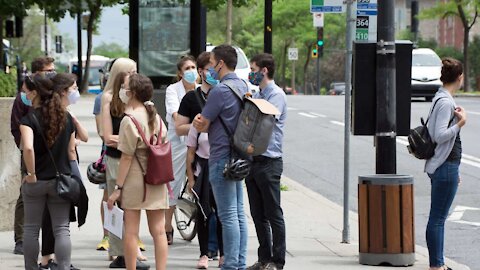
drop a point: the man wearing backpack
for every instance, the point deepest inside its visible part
(223, 105)
(263, 182)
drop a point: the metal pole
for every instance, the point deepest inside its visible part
(45, 29)
(267, 36)
(351, 19)
(79, 47)
(386, 129)
(318, 88)
(293, 76)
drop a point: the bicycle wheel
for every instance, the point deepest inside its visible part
(186, 225)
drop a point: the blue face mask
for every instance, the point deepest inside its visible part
(25, 100)
(214, 73)
(209, 79)
(190, 76)
(255, 78)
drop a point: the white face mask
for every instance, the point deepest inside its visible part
(123, 95)
(73, 96)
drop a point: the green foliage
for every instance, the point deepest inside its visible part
(292, 27)
(28, 46)
(110, 50)
(475, 61)
(216, 4)
(8, 83)
(450, 52)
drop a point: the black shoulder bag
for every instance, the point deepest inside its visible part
(67, 187)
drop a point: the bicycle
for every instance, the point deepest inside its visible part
(186, 215)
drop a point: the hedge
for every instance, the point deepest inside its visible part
(8, 83)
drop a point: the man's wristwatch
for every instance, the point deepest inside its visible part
(30, 174)
(117, 187)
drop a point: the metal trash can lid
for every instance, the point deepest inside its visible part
(385, 179)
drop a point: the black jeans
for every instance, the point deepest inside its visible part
(203, 231)
(263, 186)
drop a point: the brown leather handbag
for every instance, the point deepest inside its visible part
(159, 169)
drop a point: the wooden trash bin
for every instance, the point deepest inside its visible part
(386, 220)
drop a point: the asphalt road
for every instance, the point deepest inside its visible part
(313, 155)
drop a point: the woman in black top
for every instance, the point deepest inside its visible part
(39, 185)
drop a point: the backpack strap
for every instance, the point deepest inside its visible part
(144, 172)
(431, 111)
(236, 92)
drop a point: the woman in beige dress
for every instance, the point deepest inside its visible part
(136, 94)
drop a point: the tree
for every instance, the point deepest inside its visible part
(110, 50)
(216, 4)
(467, 11)
(58, 9)
(10, 8)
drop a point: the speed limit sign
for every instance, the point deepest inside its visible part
(293, 54)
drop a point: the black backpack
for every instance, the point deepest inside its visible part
(420, 143)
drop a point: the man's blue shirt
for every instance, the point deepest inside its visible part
(222, 102)
(275, 95)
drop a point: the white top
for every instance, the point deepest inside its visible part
(175, 93)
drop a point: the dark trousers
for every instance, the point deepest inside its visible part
(263, 186)
(48, 239)
(203, 231)
(18, 222)
(19, 212)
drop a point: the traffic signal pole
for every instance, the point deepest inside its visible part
(351, 19)
(386, 129)
(267, 34)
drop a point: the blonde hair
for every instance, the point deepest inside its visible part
(120, 65)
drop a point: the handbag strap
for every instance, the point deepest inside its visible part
(40, 130)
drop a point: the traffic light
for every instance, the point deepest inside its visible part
(320, 42)
(315, 51)
(58, 44)
(9, 29)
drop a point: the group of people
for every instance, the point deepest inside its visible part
(47, 134)
(43, 126)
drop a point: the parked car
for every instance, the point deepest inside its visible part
(337, 88)
(105, 72)
(243, 66)
(426, 72)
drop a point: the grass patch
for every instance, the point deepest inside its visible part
(283, 187)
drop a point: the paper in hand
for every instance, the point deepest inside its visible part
(113, 220)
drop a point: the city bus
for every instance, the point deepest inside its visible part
(96, 63)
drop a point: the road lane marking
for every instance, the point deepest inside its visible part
(319, 115)
(307, 115)
(459, 211)
(292, 109)
(402, 140)
(475, 113)
(338, 123)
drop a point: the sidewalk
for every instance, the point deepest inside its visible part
(314, 229)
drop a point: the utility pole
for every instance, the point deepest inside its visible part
(45, 34)
(319, 82)
(351, 20)
(267, 36)
(386, 129)
(79, 47)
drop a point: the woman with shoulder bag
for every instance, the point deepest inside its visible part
(130, 189)
(444, 126)
(48, 125)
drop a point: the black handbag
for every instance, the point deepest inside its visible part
(67, 187)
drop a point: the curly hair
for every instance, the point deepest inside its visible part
(53, 114)
(142, 89)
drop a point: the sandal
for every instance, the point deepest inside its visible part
(169, 237)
